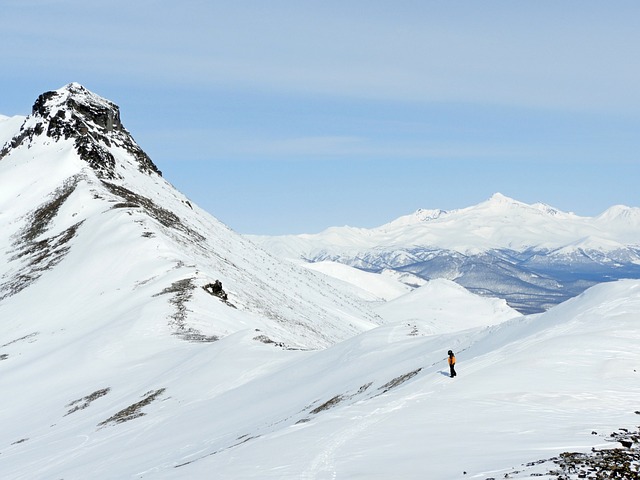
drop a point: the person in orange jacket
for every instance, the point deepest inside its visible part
(452, 363)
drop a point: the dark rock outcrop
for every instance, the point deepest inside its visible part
(216, 290)
(92, 122)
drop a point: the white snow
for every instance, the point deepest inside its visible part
(8, 127)
(500, 222)
(367, 285)
(526, 390)
(311, 378)
(443, 306)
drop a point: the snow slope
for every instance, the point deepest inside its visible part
(443, 306)
(379, 405)
(369, 286)
(438, 306)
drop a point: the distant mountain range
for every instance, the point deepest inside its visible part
(534, 256)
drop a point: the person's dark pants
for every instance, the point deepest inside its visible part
(453, 370)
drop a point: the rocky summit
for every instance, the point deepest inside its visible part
(90, 121)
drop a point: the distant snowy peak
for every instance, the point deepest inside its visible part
(419, 216)
(92, 123)
(497, 223)
(621, 214)
(498, 204)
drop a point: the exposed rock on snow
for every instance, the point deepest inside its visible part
(93, 124)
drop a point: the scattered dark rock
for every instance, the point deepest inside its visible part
(613, 463)
(133, 411)
(41, 217)
(364, 388)
(23, 134)
(36, 252)
(399, 380)
(84, 402)
(182, 291)
(242, 439)
(4, 356)
(268, 341)
(25, 337)
(332, 402)
(162, 215)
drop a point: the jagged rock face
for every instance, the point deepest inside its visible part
(92, 122)
(85, 108)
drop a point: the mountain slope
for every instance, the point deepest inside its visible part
(379, 405)
(85, 212)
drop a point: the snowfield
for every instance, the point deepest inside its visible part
(118, 362)
(378, 405)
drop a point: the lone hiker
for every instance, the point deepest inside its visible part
(452, 363)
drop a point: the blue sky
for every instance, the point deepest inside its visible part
(293, 116)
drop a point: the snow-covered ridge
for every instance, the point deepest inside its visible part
(82, 204)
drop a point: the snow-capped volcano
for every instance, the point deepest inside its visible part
(534, 256)
(123, 356)
(498, 223)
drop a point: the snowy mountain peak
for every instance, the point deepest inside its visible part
(92, 123)
(499, 198)
(621, 214)
(500, 201)
(79, 104)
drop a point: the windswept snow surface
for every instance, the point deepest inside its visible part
(443, 306)
(367, 285)
(8, 127)
(377, 406)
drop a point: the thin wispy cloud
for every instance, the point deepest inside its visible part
(556, 56)
(446, 102)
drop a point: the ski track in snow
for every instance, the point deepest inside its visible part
(323, 465)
